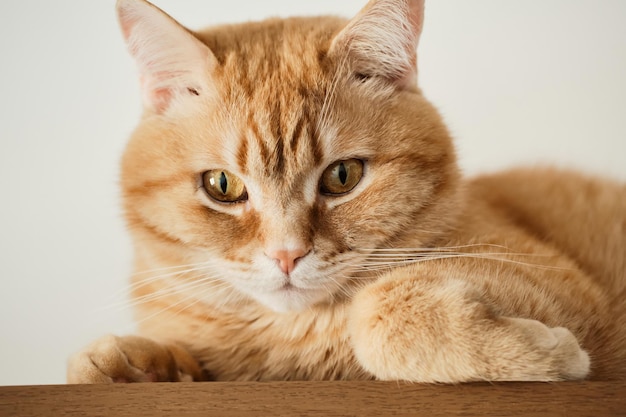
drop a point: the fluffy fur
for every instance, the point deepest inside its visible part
(415, 274)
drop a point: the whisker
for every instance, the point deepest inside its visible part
(146, 281)
(167, 268)
(369, 266)
(161, 311)
(197, 297)
(169, 289)
(429, 249)
(178, 289)
(444, 253)
(329, 97)
(175, 270)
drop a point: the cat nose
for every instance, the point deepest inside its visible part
(287, 259)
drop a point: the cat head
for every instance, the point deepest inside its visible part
(279, 154)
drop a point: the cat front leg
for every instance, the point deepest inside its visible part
(441, 330)
(131, 359)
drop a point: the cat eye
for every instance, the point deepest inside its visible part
(341, 177)
(224, 186)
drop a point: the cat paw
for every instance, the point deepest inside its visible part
(441, 331)
(112, 359)
(553, 353)
(571, 361)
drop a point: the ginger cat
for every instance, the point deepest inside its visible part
(298, 213)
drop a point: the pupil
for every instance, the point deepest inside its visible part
(223, 183)
(343, 174)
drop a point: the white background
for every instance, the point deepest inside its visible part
(518, 82)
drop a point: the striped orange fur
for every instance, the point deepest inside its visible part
(409, 272)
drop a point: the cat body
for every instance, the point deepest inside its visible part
(297, 213)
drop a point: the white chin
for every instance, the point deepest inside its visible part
(289, 300)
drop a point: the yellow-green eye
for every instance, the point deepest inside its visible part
(223, 186)
(341, 176)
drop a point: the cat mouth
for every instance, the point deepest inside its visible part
(289, 288)
(290, 297)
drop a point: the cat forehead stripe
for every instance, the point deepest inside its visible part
(281, 153)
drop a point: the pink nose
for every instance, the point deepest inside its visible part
(287, 259)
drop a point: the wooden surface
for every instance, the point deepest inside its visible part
(316, 399)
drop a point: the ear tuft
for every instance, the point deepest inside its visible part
(382, 40)
(173, 64)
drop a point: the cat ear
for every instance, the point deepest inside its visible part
(382, 40)
(173, 64)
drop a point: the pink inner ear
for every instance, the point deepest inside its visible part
(160, 99)
(126, 21)
(383, 39)
(126, 26)
(172, 63)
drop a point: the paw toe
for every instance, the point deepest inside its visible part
(574, 362)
